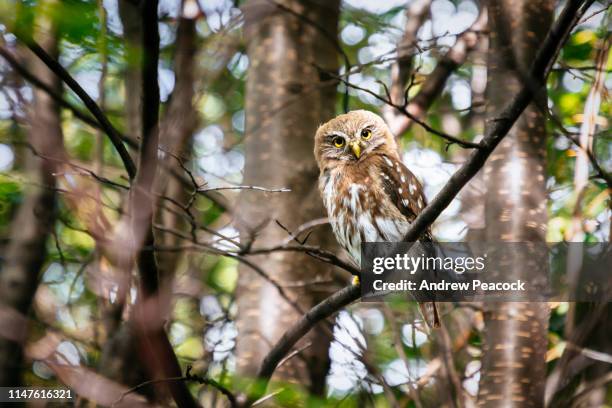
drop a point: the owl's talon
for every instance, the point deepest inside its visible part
(356, 281)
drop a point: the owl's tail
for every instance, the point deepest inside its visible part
(429, 310)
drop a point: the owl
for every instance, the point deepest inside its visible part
(369, 195)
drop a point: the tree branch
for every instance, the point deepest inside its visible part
(404, 111)
(434, 83)
(31, 78)
(415, 15)
(91, 105)
(185, 378)
(319, 312)
(157, 352)
(535, 80)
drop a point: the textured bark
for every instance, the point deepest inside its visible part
(513, 363)
(287, 98)
(26, 252)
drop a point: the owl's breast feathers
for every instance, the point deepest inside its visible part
(373, 200)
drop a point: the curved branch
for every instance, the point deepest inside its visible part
(91, 105)
(321, 311)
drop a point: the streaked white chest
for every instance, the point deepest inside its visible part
(351, 215)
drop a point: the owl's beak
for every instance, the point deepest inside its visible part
(356, 148)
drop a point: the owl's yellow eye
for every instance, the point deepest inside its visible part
(338, 142)
(366, 134)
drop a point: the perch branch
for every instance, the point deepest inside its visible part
(319, 312)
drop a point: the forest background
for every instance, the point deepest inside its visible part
(162, 240)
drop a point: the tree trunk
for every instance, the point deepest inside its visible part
(26, 253)
(142, 341)
(175, 141)
(513, 363)
(288, 96)
(121, 349)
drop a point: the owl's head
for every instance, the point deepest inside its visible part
(351, 137)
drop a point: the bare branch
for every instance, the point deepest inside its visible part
(91, 105)
(537, 75)
(185, 378)
(313, 251)
(432, 87)
(320, 312)
(209, 381)
(579, 398)
(416, 13)
(404, 111)
(34, 80)
(266, 190)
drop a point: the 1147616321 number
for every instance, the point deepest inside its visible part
(20, 394)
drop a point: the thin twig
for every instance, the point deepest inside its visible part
(209, 381)
(186, 378)
(266, 190)
(267, 397)
(294, 353)
(403, 110)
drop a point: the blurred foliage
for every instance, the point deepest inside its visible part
(201, 328)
